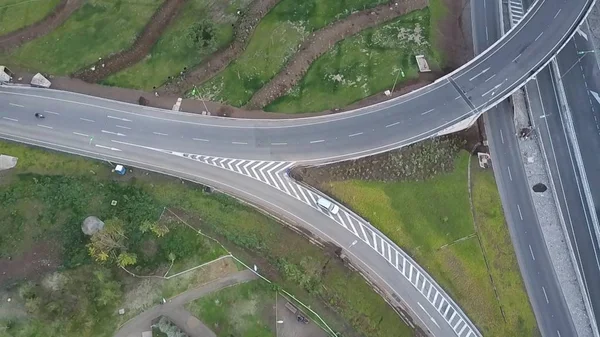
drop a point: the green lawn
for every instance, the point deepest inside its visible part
(362, 65)
(424, 216)
(242, 310)
(16, 14)
(98, 29)
(68, 183)
(273, 43)
(172, 53)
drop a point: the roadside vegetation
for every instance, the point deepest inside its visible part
(362, 65)
(16, 14)
(275, 40)
(202, 27)
(246, 310)
(97, 29)
(46, 197)
(423, 205)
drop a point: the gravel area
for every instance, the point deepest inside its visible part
(548, 217)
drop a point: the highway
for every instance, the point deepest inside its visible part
(195, 147)
(552, 314)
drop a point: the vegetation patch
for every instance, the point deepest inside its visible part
(81, 187)
(243, 310)
(431, 219)
(202, 27)
(97, 29)
(275, 40)
(17, 14)
(357, 67)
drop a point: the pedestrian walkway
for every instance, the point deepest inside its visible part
(174, 310)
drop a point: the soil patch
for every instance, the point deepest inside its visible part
(453, 34)
(42, 258)
(143, 44)
(58, 16)
(220, 59)
(321, 41)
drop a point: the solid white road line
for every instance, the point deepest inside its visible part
(80, 134)
(17, 105)
(44, 126)
(10, 119)
(317, 141)
(87, 120)
(51, 112)
(531, 251)
(390, 125)
(545, 295)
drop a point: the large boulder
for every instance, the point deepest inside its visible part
(91, 225)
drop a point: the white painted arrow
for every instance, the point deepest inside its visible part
(108, 148)
(113, 133)
(119, 118)
(583, 35)
(432, 319)
(596, 96)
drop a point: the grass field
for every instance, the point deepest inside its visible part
(98, 29)
(16, 14)
(173, 52)
(314, 276)
(274, 41)
(242, 310)
(425, 216)
(362, 65)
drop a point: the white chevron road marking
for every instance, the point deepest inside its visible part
(274, 174)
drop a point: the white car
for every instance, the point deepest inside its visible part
(328, 205)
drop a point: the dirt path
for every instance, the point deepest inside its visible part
(59, 15)
(156, 26)
(220, 59)
(321, 41)
(175, 311)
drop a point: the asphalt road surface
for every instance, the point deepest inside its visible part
(550, 309)
(154, 139)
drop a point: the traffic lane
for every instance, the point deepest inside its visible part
(579, 224)
(534, 36)
(264, 197)
(350, 136)
(57, 100)
(550, 23)
(530, 248)
(484, 16)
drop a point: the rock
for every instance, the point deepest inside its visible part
(91, 225)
